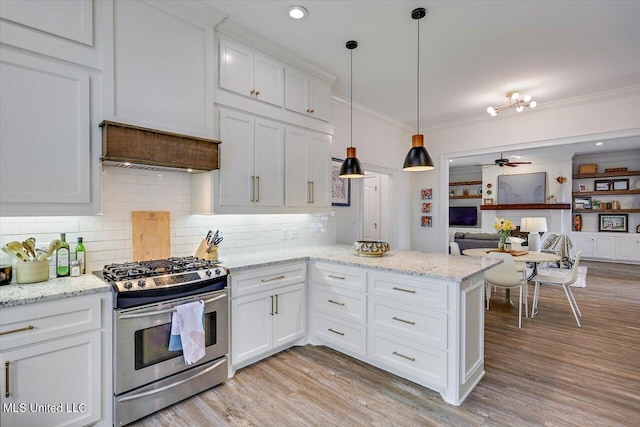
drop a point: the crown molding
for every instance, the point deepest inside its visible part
(370, 111)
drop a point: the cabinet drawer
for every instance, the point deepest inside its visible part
(28, 324)
(337, 275)
(340, 303)
(260, 279)
(409, 322)
(349, 338)
(420, 363)
(424, 293)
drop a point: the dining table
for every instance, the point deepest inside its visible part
(524, 256)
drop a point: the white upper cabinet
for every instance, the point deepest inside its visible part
(249, 73)
(307, 94)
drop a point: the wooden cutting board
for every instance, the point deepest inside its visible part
(150, 235)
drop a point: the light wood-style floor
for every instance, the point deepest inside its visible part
(549, 373)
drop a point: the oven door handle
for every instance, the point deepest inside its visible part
(170, 386)
(166, 310)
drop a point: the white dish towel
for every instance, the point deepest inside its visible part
(187, 321)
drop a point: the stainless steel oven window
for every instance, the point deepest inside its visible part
(152, 344)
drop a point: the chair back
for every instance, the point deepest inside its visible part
(574, 269)
(455, 248)
(504, 274)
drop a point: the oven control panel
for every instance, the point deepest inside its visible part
(169, 280)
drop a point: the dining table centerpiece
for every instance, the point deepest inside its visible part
(504, 228)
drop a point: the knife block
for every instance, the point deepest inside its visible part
(203, 254)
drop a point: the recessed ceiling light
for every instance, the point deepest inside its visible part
(599, 143)
(297, 12)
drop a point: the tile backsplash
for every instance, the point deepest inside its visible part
(107, 237)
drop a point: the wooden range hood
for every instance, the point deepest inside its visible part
(134, 146)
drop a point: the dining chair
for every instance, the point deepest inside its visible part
(505, 275)
(561, 281)
(454, 248)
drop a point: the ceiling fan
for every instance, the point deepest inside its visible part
(505, 162)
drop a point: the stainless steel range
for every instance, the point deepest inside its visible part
(147, 375)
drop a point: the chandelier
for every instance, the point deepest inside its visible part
(515, 101)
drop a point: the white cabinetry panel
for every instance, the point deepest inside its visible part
(236, 68)
(269, 163)
(45, 130)
(628, 248)
(307, 94)
(236, 159)
(162, 68)
(70, 19)
(595, 245)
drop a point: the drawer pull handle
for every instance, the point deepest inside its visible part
(336, 277)
(403, 321)
(413, 359)
(272, 279)
(336, 332)
(6, 380)
(335, 302)
(411, 291)
(13, 331)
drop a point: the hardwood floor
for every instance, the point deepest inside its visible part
(549, 373)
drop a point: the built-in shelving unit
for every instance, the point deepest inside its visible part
(607, 174)
(460, 183)
(474, 196)
(463, 183)
(526, 206)
(606, 193)
(593, 211)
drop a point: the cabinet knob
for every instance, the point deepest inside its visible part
(257, 92)
(253, 91)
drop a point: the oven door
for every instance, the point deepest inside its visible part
(141, 339)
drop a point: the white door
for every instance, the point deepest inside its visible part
(236, 68)
(319, 163)
(269, 80)
(269, 163)
(371, 220)
(296, 90)
(236, 161)
(251, 326)
(320, 101)
(295, 168)
(289, 317)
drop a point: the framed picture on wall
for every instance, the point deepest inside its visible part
(426, 221)
(340, 187)
(613, 222)
(426, 193)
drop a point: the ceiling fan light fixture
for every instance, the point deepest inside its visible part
(351, 167)
(418, 158)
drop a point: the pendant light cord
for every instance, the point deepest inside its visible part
(351, 96)
(418, 75)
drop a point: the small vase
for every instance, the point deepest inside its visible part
(502, 244)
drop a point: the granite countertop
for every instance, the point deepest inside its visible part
(425, 264)
(63, 287)
(433, 265)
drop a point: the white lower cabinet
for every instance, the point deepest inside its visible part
(270, 313)
(55, 371)
(607, 246)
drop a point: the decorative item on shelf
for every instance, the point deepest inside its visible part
(638, 229)
(620, 184)
(534, 226)
(615, 205)
(602, 184)
(418, 158)
(452, 193)
(488, 201)
(588, 168)
(595, 203)
(465, 191)
(504, 228)
(515, 101)
(609, 170)
(577, 222)
(351, 167)
(582, 188)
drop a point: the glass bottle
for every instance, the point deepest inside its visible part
(62, 257)
(81, 255)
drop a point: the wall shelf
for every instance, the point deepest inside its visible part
(526, 206)
(605, 193)
(451, 184)
(614, 211)
(475, 196)
(606, 174)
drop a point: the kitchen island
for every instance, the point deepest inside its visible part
(418, 315)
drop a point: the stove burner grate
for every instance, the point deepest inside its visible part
(136, 270)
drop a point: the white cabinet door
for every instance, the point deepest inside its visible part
(269, 80)
(289, 315)
(236, 159)
(45, 134)
(582, 243)
(604, 247)
(236, 68)
(63, 372)
(251, 321)
(319, 165)
(628, 249)
(269, 163)
(296, 184)
(320, 102)
(296, 93)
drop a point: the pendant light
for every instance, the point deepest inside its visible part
(351, 167)
(418, 158)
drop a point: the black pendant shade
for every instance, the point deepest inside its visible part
(418, 158)
(351, 167)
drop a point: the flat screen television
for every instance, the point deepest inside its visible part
(523, 188)
(465, 216)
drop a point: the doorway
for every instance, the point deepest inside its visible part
(377, 214)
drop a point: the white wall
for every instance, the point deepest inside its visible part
(107, 237)
(567, 122)
(381, 146)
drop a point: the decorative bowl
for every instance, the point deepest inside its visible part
(371, 247)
